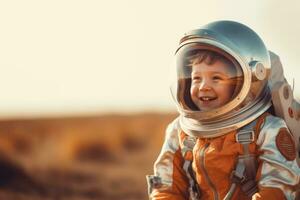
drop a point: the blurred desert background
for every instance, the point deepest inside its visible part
(95, 157)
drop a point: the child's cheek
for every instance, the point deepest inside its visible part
(193, 91)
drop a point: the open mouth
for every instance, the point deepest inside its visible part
(207, 98)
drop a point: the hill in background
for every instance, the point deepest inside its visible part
(97, 157)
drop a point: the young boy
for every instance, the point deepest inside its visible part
(226, 144)
(213, 80)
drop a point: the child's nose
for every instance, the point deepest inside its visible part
(205, 86)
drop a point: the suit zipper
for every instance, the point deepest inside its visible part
(208, 180)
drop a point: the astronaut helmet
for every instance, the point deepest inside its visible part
(221, 79)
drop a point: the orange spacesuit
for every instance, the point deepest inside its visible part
(215, 159)
(226, 142)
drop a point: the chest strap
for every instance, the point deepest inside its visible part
(246, 167)
(187, 153)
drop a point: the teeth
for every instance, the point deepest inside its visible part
(207, 98)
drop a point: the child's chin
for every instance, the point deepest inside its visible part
(207, 107)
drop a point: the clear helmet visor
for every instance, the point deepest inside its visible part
(207, 78)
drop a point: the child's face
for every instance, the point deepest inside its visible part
(212, 85)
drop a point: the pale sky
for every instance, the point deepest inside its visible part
(71, 57)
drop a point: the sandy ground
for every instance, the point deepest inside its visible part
(98, 157)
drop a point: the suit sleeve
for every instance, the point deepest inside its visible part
(171, 181)
(278, 172)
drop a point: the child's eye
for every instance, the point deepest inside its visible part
(197, 78)
(217, 78)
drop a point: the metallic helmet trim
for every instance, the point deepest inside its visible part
(249, 51)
